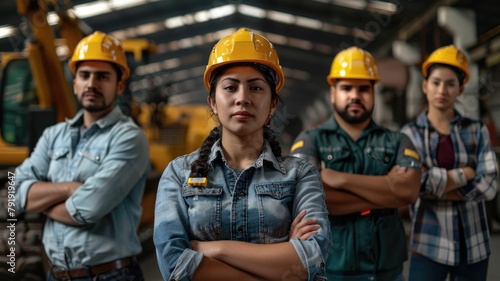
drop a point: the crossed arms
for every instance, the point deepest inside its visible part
(49, 198)
(349, 193)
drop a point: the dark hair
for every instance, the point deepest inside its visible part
(459, 73)
(200, 167)
(116, 67)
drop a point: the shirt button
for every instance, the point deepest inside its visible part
(240, 229)
(242, 193)
(329, 157)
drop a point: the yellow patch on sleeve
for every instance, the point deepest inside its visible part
(411, 153)
(296, 145)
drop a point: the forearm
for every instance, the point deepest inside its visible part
(269, 261)
(212, 269)
(59, 213)
(394, 190)
(43, 195)
(340, 202)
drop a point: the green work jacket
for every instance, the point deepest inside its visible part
(364, 246)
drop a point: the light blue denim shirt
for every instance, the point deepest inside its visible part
(257, 206)
(111, 159)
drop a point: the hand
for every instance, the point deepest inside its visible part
(469, 172)
(395, 176)
(208, 248)
(303, 228)
(72, 186)
(331, 178)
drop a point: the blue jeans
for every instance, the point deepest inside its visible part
(424, 269)
(131, 273)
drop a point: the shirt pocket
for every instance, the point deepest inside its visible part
(275, 201)
(90, 163)
(204, 211)
(380, 160)
(340, 160)
(60, 158)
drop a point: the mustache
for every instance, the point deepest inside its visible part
(92, 91)
(356, 102)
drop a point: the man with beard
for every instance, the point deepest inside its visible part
(87, 174)
(367, 171)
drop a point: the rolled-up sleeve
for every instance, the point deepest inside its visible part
(123, 168)
(33, 169)
(313, 252)
(484, 184)
(176, 259)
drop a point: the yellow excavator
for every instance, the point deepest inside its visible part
(35, 93)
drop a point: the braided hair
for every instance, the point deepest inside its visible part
(200, 167)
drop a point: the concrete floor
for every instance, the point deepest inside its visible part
(152, 273)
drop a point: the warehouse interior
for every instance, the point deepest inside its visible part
(306, 33)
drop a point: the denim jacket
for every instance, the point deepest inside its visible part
(256, 206)
(111, 160)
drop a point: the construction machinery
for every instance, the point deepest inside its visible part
(35, 92)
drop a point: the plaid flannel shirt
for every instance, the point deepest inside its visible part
(437, 223)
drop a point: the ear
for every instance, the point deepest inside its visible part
(274, 104)
(213, 104)
(424, 86)
(461, 90)
(74, 87)
(332, 94)
(120, 87)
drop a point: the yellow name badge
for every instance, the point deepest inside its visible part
(411, 153)
(197, 182)
(297, 145)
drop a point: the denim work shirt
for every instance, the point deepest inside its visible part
(258, 206)
(111, 160)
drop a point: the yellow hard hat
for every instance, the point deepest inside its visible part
(353, 63)
(99, 46)
(448, 55)
(244, 46)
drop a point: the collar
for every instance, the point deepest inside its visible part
(423, 121)
(332, 125)
(266, 156)
(112, 117)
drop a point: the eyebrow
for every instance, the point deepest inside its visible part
(356, 86)
(445, 80)
(249, 80)
(96, 72)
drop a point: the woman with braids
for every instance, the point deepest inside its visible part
(236, 209)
